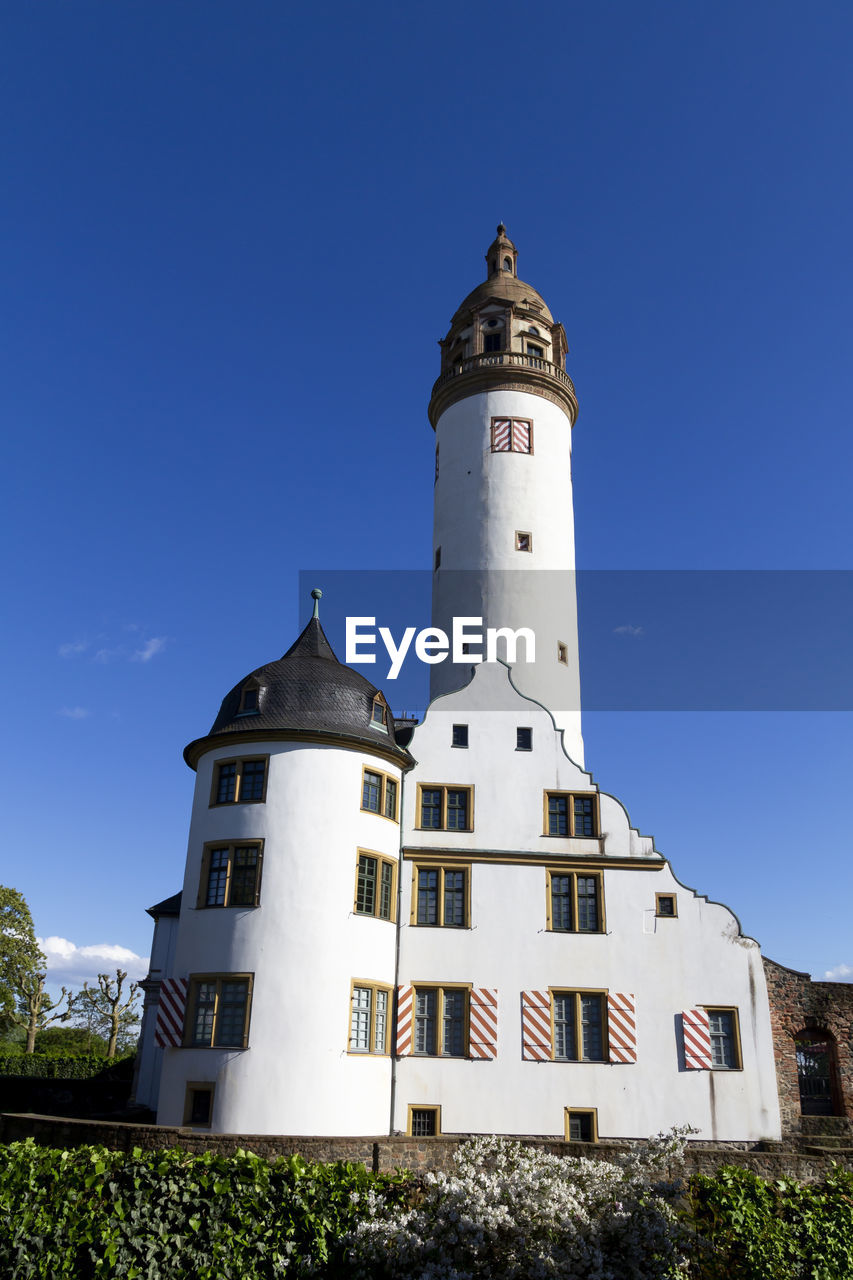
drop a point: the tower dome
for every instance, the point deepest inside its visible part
(308, 691)
(503, 336)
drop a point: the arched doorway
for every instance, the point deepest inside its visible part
(817, 1073)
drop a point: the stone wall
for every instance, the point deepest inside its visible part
(797, 1004)
(769, 1160)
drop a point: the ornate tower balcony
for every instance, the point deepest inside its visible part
(503, 337)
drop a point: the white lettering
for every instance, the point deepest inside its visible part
(396, 652)
(462, 638)
(353, 639)
(432, 650)
(493, 634)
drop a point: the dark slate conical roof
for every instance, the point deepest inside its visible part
(308, 691)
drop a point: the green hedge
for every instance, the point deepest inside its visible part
(44, 1066)
(166, 1214)
(749, 1229)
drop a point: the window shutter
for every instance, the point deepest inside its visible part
(521, 437)
(622, 1026)
(483, 1023)
(500, 435)
(404, 1021)
(202, 879)
(697, 1040)
(171, 1007)
(536, 1038)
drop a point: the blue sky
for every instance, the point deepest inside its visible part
(232, 236)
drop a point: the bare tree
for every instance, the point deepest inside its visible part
(112, 1007)
(35, 1010)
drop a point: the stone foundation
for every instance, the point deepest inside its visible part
(806, 1163)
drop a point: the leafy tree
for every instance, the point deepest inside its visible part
(19, 951)
(109, 1014)
(69, 1042)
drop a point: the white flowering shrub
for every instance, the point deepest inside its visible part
(509, 1211)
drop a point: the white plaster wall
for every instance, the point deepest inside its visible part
(699, 958)
(481, 500)
(303, 943)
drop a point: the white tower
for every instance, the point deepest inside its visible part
(504, 550)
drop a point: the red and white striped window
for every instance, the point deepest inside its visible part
(416, 1009)
(512, 435)
(566, 1026)
(696, 1029)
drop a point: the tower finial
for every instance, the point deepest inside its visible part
(316, 596)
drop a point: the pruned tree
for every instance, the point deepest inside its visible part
(35, 1009)
(19, 952)
(110, 1008)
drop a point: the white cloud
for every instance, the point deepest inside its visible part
(628, 629)
(75, 713)
(841, 973)
(149, 648)
(72, 965)
(73, 647)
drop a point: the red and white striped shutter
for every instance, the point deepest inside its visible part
(536, 1039)
(697, 1040)
(501, 429)
(520, 437)
(483, 1023)
(171, 1007)
(622, 1026)
(404, 1020)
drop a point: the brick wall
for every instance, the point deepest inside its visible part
(770, 1160)
(798, 1004)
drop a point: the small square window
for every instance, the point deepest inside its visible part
(460, 735)
(523, 541)
(198, 1105)
(424, 1122)
(524, 739)
(582, 1125)
(666, 905)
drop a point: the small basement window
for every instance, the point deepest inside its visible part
(198, 1106)
(424, 1122)
(581, 1124)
